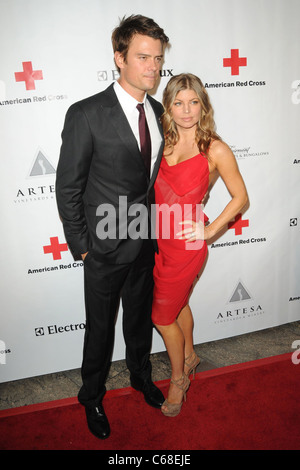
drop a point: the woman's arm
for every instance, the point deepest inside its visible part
(225, 163)
(223, 160)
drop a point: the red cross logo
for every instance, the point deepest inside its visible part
(55, 248)
(28, 75)
(238, 224)
(235, 62)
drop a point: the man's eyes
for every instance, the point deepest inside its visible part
(157, 59)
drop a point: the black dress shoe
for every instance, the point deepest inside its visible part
(97, 422)
(152, 394)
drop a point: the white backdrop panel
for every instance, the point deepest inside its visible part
(251, 278)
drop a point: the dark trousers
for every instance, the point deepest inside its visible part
(104, 286)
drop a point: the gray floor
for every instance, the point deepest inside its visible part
(248, 347)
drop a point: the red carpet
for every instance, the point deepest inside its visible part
(250, 406)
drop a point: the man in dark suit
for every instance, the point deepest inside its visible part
(105, 163)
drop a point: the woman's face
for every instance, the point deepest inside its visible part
(186, 109)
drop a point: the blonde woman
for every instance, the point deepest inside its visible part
(193, 151)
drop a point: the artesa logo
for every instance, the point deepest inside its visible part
(28, 75)
(41, 166)
(238, 224)
(240, 306)
(37, 191)
(55, 248)
(240, 293)
(235, 62)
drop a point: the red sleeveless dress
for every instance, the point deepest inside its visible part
(179, 190)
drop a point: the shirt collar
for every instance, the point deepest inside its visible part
(125, 99)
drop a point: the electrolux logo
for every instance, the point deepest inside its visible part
(56, 329)
(106, 75)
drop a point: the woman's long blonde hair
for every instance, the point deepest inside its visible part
(205, 132)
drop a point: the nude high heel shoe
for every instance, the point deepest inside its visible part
(192, 361)
(173, 409)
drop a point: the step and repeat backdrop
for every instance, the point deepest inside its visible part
(247, 53)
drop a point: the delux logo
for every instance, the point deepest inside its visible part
(28, 75)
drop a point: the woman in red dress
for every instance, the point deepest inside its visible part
(193, 151)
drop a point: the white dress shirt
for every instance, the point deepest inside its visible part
(129, 106)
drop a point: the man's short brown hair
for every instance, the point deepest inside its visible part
(129, 27)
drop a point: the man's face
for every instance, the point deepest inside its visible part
(140, 71)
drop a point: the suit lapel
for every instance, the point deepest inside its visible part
(118, 119)
(157, 113)
(120, 123)
(156, 165)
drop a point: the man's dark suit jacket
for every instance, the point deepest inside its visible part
(100, 162)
